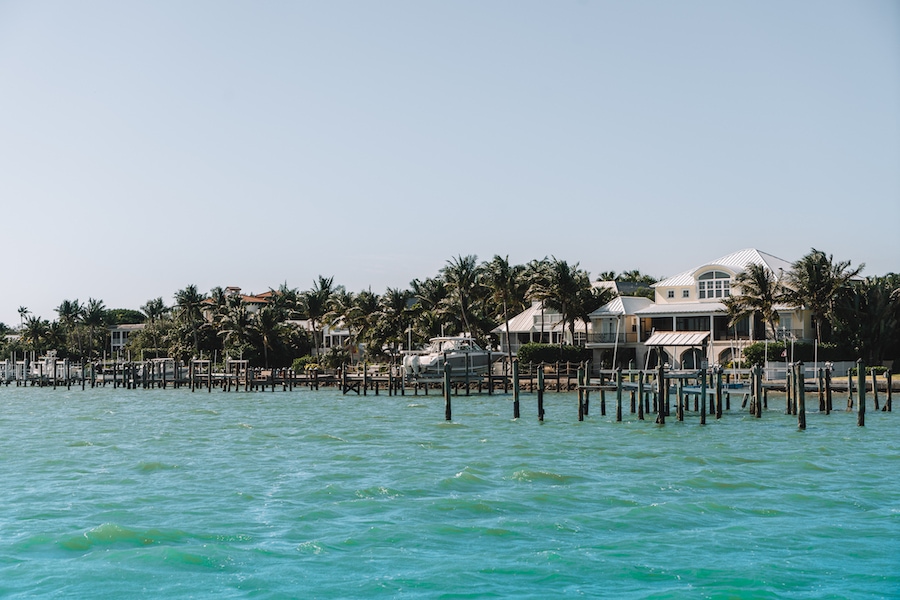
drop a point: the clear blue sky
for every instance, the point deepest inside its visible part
(145, 146)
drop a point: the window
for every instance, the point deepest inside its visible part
(670, 294)
(714, 284)
(685, 293)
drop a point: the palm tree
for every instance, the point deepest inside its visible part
(235, 324)
(34, 333)
(814, 282)
(759, 291)
(868, 317)
(189, 307)
(561, 286)
(267, 324)
(23, 312)
(462, 276)
(93, 316)
(341, 309)
(315, 304)
(69, 312)
(393, 316)
(505, 282)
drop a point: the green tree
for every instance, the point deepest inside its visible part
(315, 304)
(867, 318)
(93, 317)
(505, 283)
(189, 312)
(759, 292)
(563, 287)
(814, 282)
(462, 276)
(34, 333)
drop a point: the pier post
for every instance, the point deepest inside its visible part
(515, 377)
(587, 382)
(718, 377)
(887, 401)
(580, 392)
(827, 378)
(660, 390)
(703, 395)
(447, 412)
(861, 390)
(618, 394)
(540, 392)
(679, 400)
(801, 396)
(640, 392)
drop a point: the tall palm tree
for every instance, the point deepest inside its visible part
(462, 276)
(267, 324)
(562, 287)
(868, 317)
(814, 282)
(23, 312)
(315, 304)
(34, 333)
(69, 312)
(93, 317)
(341, 309)
(189, 309)
(759, 292)
(504, 282)
(235, 325)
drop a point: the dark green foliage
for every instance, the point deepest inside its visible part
(124, 316)
(754, 354)
(551, 353)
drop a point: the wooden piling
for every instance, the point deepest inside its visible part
(618, 394)
(861, 391)
(660, 390)
(640, 406)
(703, 395)
(887, 400)
(581, 391)
(801, 397)
(827, 381)
(679, 400)
(515, 377)
(447, 411)
(540, 392)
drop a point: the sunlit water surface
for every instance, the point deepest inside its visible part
(167, 493)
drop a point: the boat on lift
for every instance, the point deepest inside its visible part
(462, 353)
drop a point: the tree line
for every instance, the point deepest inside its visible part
(466, 296)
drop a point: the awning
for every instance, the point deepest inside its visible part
(676, 338)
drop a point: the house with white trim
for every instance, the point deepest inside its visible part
(689, 322)
(537, 324)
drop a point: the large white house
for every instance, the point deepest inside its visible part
(685, 325)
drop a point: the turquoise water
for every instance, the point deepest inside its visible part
(116, 493)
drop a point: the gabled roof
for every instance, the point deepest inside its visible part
(524, 321)
(736, 262)
(622, 305)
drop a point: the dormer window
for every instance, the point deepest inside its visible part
(714, 284)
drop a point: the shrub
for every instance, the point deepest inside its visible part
(551, 353)
(755, 353)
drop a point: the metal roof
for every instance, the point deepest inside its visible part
(736, 261)
(677, 338)
(622, 305)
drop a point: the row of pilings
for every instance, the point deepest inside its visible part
(645, 392)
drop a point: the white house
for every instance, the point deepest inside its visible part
(689, 322)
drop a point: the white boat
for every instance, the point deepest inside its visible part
(461, 352)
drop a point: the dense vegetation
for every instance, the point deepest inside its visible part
(856, 317)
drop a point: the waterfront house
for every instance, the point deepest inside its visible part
(688, 321)
(538, 324)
